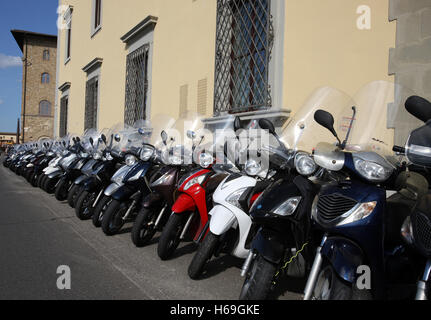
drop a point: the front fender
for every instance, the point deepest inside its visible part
(152, 199)
(270, 245)
(184, 203)
(344, 255)
(124, 193)
(111, 189)
(80, 179)
(91, 184)
(222, 219)
(54, 174)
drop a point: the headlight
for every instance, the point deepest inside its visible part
(146, 153)
(196, 180)
(371, 171)
(97, 156)
(361, 212)
(288, 207)
(131, 160)
(205, 160)
(252, 167)
(65, 153)
(233, 199)
(83, 155)
(304, 164)
(49, 154)
(407, 231)
(175, 160)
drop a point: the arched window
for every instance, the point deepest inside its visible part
(45, 108)
(46, 55)
(45, 77)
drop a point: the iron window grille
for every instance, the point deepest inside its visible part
(244, 41)
(136, 85)
(91, 94)
(64, 103)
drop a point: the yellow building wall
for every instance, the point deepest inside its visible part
(322, 46)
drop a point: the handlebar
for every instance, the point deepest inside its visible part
(399, 149)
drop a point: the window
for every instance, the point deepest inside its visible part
(64, 104)
(45, 78)
(45, 108)
(68, 36)
(91, 98)
(136, 85)
(243, 47)
(97, 16)
(46, 55)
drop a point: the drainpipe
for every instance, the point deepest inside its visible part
(25, 90)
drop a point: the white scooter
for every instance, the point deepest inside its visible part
(229, 220)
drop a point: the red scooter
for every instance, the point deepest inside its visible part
(189, 215)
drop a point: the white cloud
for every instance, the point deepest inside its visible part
(9, 61)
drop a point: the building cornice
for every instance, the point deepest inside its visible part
(64, 86)
(149, 21)
(95, 63)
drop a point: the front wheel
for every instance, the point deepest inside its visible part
(49, 185)
(203, 255)
(99, 211)
(112, 220)
(329, 286)
(170, 238)
(62, 189)
(84, 205)
(258, 282)
(144, 226)
(73, 194)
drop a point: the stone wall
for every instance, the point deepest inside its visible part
(410, 60)
(37, 126)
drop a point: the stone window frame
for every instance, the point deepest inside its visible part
(49, 104)
(68, 38)
(45, 78)
(137, 37)
(96, 4)
(46, 55)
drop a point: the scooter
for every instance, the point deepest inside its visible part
(362, 254)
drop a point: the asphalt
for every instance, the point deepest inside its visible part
(38, 234)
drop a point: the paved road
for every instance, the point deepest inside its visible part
(38, 234)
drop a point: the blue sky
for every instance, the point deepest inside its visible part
(32, 15)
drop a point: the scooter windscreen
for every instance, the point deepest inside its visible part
(187, 132)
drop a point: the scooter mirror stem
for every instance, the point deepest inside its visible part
(343, 145)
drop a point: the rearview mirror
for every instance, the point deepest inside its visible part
(103, 137)
(191, 134)
(117, 137)
(325, 119)
(419, 108)
(237, 124)
(164, 136)
(265, 124)
(91, 141)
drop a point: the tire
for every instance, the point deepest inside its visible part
(203, 255)
(100, 210)
(112, 220)
(61, 191)
(329, 286)
(84, 205)
(258, 282)
(40, 180)
(49, 185)
(170, 238)
(143, 228)
(72, 195)
(34, 180)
